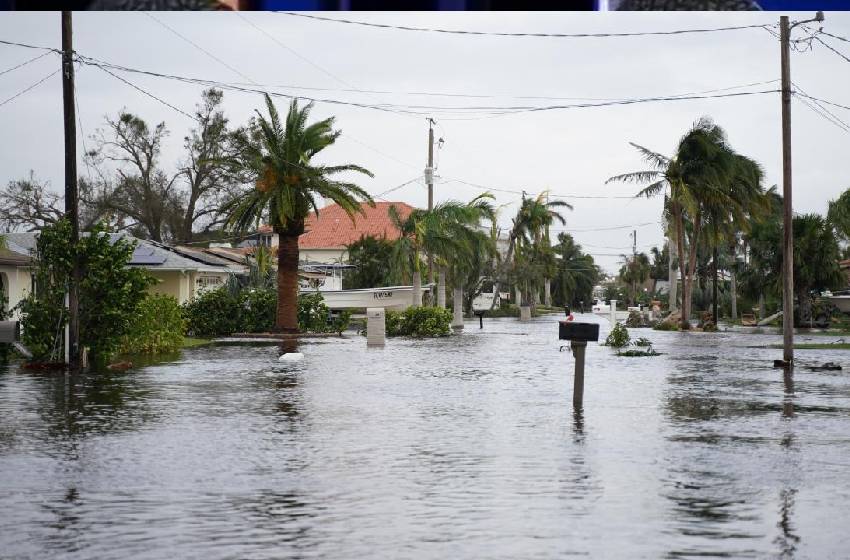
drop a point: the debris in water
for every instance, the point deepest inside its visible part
(291, 357)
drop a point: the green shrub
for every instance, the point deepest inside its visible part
(341, 322)
(419, 321)
(157, 328)
(110, 293)
(212, 313)
(257, 310)
(666, 326)
(313, 314)
(618, 337)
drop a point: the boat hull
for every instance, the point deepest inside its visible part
(392, 297)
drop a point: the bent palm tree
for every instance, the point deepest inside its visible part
(278, 158)
(533, 216)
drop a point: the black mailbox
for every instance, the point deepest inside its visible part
(570, 330)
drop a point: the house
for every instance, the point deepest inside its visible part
(179, 273)
(327, 235)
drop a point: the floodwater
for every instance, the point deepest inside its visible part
(457, 448)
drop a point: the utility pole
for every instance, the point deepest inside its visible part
(71, 209)
(788, 212)
(429, 178)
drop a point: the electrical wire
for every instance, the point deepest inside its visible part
(821, 110)
(388, 191)
(830, 103)
(152, 96)
(28, 46)
(28, 88)
(842, 55)
(612, 228)
(22, 64)
(504, 34)
(554, 195)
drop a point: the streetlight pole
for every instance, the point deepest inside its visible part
(788, 211)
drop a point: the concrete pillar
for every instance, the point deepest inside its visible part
(457, 305)
(613, 313)
(547, 292)
(518, 294)
(525, 313)
(376, 326)
(441, 288)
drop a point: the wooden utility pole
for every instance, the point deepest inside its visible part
(429, 177)
(788, 210)
(788, 213)
(71, 199)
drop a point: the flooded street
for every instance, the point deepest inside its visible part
(465, 447)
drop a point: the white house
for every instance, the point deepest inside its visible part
(182, 274)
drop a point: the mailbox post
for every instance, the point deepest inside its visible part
(578, 334)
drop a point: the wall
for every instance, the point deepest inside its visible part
(326, 256)
(17, 283)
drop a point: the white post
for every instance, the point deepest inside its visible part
(457, 304)
(376, 326)
(613, 311)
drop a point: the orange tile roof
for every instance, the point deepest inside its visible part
(333, 229)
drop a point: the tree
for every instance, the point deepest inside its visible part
(110, 292)
(444, 231)
(207, 170)
(839, 215)
(576, 273)
(531, 220)
(278, 156)
(635, 271)
(816, 256)
(142, 191)
(371, 256)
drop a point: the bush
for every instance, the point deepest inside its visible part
(618, 337)
(157, 328)
(419, 321)
(110, 293)
(666, 325)
(313, 314)
(212, 313)
(257, 310)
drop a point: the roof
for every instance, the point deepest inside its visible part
(9, 256)
(148, 254)
(333, 229)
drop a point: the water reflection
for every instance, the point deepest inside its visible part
(788, 400)
(578, 424)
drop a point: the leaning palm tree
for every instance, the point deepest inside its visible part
(532, 218)
(277, 157)
(440, 231)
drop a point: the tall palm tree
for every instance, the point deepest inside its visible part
(576, 274)
(693, 181)
(278, 158)
(531, 220)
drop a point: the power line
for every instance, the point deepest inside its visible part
(22, 64)
(28, 88)
(612, 228)
(821, 110)
(28, 46)
(830, 103)
(388, 191)
(510, 191)
(505, 34)
(842, 55)
(152, 96)
(197, 46)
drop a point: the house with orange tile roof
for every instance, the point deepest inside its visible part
(328, 234)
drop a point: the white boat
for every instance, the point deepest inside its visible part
(390, 297)
(604, 310)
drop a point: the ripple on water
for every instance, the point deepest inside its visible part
(464, 447)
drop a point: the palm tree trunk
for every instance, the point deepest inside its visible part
(547, 292)
(287, 284)
(505, 264)
(441, 288)
(734, 293)
(761, 307)
(457, 304)
(671, 274)
(518, 294)
(417, 289)
(680, 236)
(714, 287)
(692, 266)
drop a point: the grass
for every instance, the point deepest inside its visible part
(816, 346)
(190, 342)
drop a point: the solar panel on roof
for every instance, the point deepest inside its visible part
(147, 259)
(143, 250)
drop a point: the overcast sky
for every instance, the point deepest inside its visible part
(568, 151)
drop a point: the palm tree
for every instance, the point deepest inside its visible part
(441, 231)
(532, 218)
(694, 181)
(278, 158)
(634, 271)
(576, 273)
